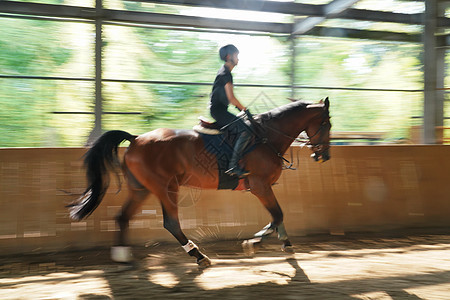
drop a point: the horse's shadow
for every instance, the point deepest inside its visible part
(138, 281)
(135, 281)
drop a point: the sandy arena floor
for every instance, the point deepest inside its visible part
(324, 267)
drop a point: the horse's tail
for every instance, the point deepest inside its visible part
(101, 157)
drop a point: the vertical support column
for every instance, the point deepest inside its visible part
(433, 106)
(293, 63)
(440, 94)
(98, 110)
(441, 51)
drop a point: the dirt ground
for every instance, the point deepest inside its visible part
(355, 266)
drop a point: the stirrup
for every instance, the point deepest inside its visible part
(237, 171)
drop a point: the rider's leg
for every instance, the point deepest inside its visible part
(239, 147)
(225, 118)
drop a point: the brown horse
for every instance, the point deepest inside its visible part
(160, 161)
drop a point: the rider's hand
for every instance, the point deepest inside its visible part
(241, 113)
(248, 113)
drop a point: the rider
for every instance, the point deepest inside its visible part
(222, 95)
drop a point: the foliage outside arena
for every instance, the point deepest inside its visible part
(36, 110)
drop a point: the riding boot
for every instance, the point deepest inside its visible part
(234, 168)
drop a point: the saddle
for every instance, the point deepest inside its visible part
(206, 127)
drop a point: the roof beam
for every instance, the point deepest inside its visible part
(364, 34)
(333, 8)
(48, 10)
(83, 13)
(338, 6)
(65, 11)
(306, 24)
(299, 9)
(195, 22)
(296, 9)
(381, 16)
(253, 5)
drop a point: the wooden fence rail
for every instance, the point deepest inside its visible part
(360, 188)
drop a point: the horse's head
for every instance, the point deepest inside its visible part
(318, 131)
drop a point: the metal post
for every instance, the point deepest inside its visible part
(293, 64)
(97, 130)
(440, 94)
(430, 73)
(440, 77)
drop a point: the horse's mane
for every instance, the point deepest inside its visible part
(277, 112)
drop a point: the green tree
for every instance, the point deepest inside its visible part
(26, 103)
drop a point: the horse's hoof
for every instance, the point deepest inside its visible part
(288, 249)
(204, 263)
(121, 254)
(249, 247)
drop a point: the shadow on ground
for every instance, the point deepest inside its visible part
(324, 267)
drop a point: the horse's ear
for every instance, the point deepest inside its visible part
(321, 101)
(327, 103)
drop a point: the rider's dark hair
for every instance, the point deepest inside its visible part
(227, 50)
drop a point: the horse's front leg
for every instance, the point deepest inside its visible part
(283, 236)
(265, 194)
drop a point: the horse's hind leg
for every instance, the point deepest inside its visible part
(136, 196)
(169, 203)
(129, 209)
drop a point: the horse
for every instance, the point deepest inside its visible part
(160, 161)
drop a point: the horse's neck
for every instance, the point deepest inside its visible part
(285, 129)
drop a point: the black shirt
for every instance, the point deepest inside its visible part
(218, 94)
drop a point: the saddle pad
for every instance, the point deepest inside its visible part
(221, 147)
(222, 150)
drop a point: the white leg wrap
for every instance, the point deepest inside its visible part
(121, 254)
(267, 230)
(189, 246)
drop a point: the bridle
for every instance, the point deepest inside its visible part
(319, 132)
(308, 142)
(317, 147)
